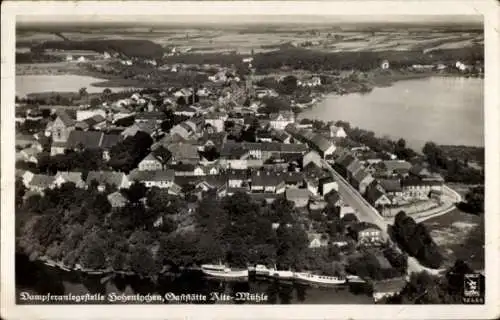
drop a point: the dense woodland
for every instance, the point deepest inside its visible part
(128, 47)
(454, 167)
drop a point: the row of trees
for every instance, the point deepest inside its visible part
(415, 239)
(304, 59)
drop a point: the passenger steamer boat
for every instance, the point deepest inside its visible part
(223, 271)
(309, 278)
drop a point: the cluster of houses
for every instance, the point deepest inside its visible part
(388, 183)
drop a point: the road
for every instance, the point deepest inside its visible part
(366, 212)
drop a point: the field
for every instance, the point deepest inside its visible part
(460, 236)
(243, 41)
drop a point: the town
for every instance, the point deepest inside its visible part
(214, 169)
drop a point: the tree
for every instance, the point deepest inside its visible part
(83, 92)
(135, 192)
(94, 256)
(20, 192)
(106, 92)
(142, 262)
(288, 85)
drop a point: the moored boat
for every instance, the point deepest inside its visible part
(261, 270)
(309, 278)
(354, 279)
(281, 274)
(223, 271)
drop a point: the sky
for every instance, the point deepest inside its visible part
(158, 20)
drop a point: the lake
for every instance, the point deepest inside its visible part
(36, 278)
(446, 110)
(26, 84)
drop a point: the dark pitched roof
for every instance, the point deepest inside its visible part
(293, 193)
(354, 166)
(184, 151)
(373, 192)
(345, 161)
(110, 140)
(65, 118)
(350, 217)
(41, 180)
(293, 148)
(390, 185)
(265, 179)
(237, 175)
(363, 225)
(151, 115)
(395, 165)
(293, 177)
(103, 177)
(326, 179)
(361, 175)
(321, 142)
(231, 150)
(87, 139)
(182, 167)
(156, 175)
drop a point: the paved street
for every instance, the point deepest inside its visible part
(366, 212)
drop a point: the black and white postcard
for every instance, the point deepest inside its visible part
(250, 160)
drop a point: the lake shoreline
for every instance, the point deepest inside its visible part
(395, 100)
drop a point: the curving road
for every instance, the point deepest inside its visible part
(366, 212)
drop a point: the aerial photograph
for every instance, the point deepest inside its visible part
(259, 160)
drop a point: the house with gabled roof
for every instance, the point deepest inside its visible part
(362, 180)
(153, 178)
(280, 120)
(149, 127)
(392, 187)
(151, 163)
(184, 110)
(62, 126)
(300, 197)
(148, 116)
(93, 123)
(389, 168)
(312, 156)
(267, 182)
(367, 234)
(117, 200)
(342, 163)
(324, 146)
(327, 184)
(184, 153)
(353, 168)
(333, 198)
(216, 120)
(39, 182)
(104, 178)
(376, 196)
(337, 132)
(75, 177)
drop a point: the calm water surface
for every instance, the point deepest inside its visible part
(446, 110)
(37, 278)
(26, 84)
